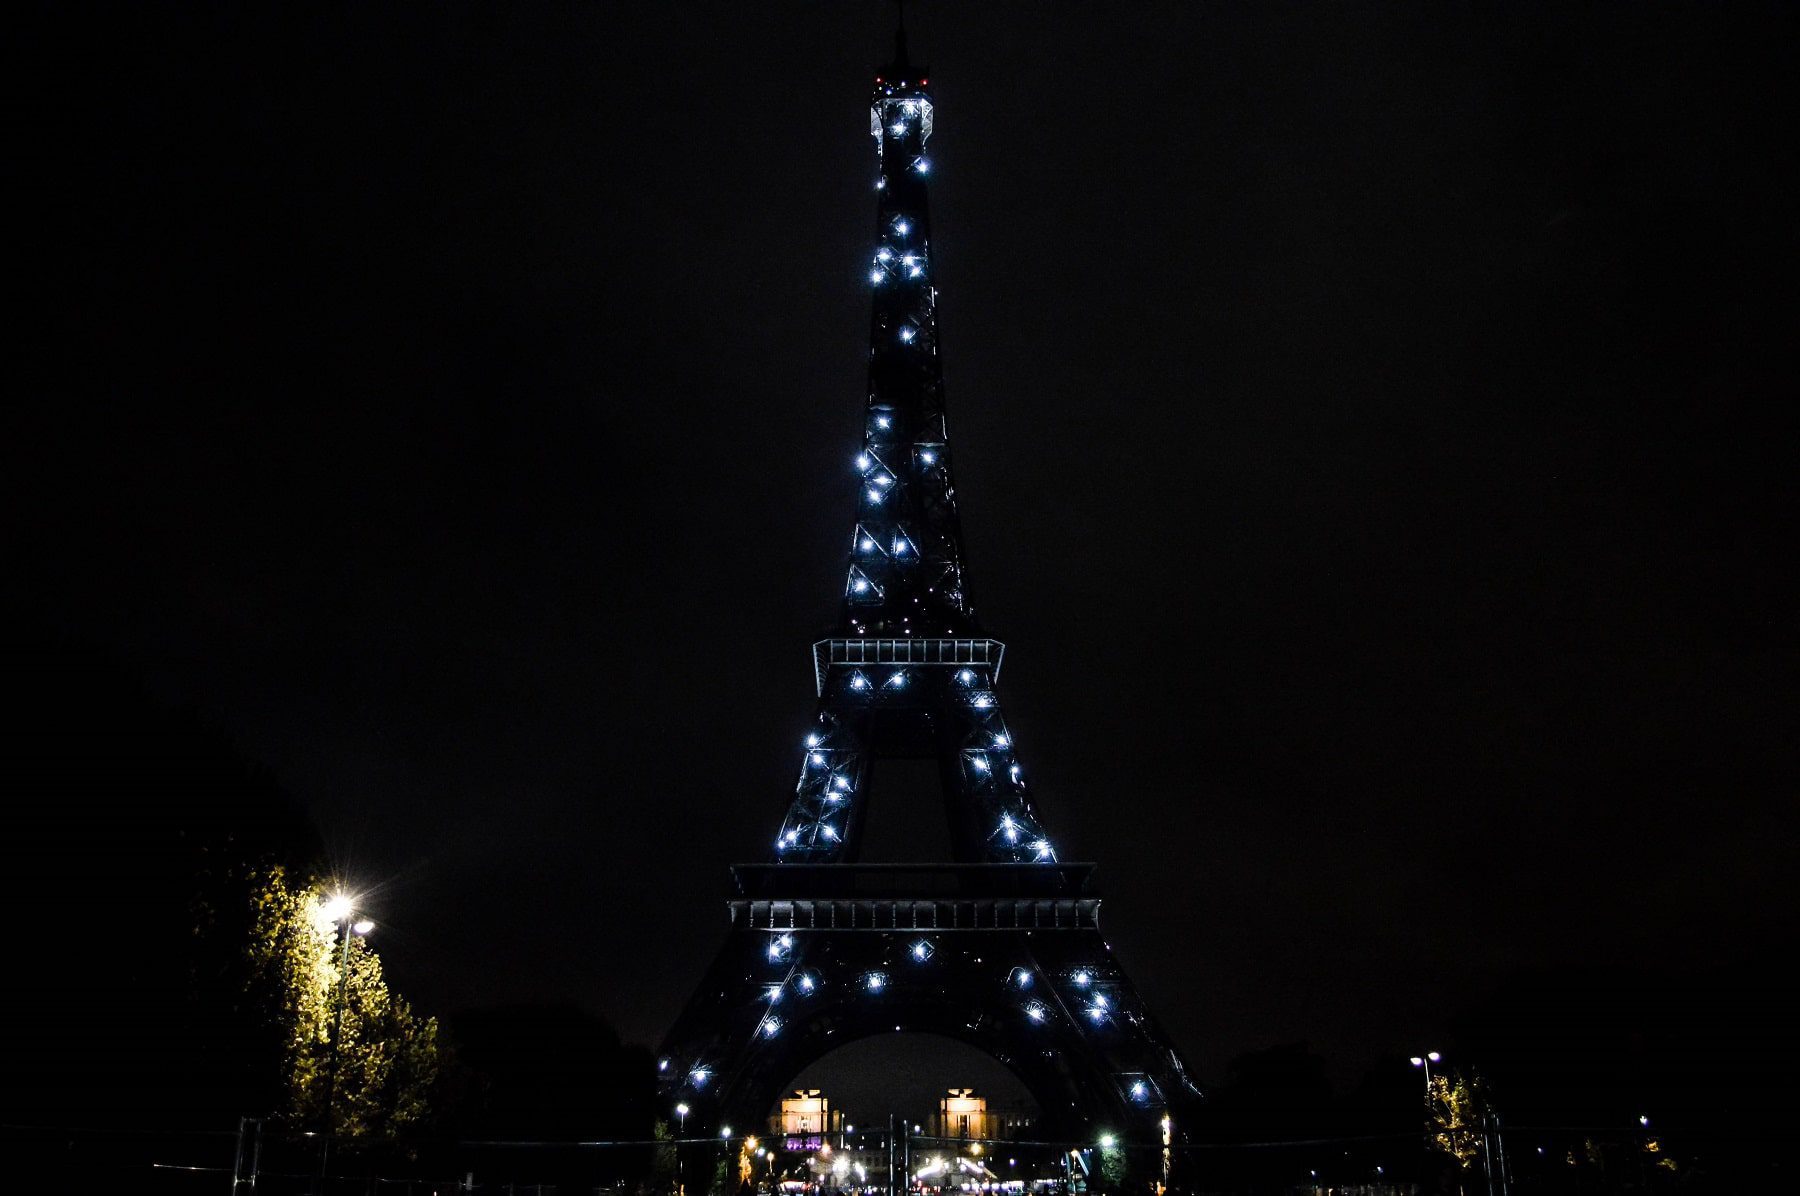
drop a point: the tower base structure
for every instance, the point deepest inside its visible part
(1007, 958)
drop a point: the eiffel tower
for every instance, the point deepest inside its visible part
(1001, 948)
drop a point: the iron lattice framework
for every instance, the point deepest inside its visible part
(1001, 949)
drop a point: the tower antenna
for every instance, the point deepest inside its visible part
(900, 60)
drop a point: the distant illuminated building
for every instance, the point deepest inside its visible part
(806, 1113)
(963, 1114)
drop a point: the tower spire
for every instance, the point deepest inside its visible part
(905, 575)
(900, 66)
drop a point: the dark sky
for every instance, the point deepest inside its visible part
(1371, 429)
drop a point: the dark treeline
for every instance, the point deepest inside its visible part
(1568, 1060)
(133, 1018)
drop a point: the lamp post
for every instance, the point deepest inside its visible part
(342, 913)
(1425, 1061)
(681, 1111)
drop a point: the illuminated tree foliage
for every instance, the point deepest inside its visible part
(664, 1172)
(388, 1060)
(1458, 1106)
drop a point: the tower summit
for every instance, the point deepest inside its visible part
(906, 570)
(1000, 949)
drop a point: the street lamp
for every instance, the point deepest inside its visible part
(681, 1111)
(340, 910)
(1425, 1061)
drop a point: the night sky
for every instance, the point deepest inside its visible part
(1372, 445)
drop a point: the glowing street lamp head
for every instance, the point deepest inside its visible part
(363, 927)
(1107, 1141)
(338, 907)
(681, 1110)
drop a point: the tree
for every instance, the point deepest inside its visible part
(1456, 1111)
(664, 1171)
(382, 1071)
